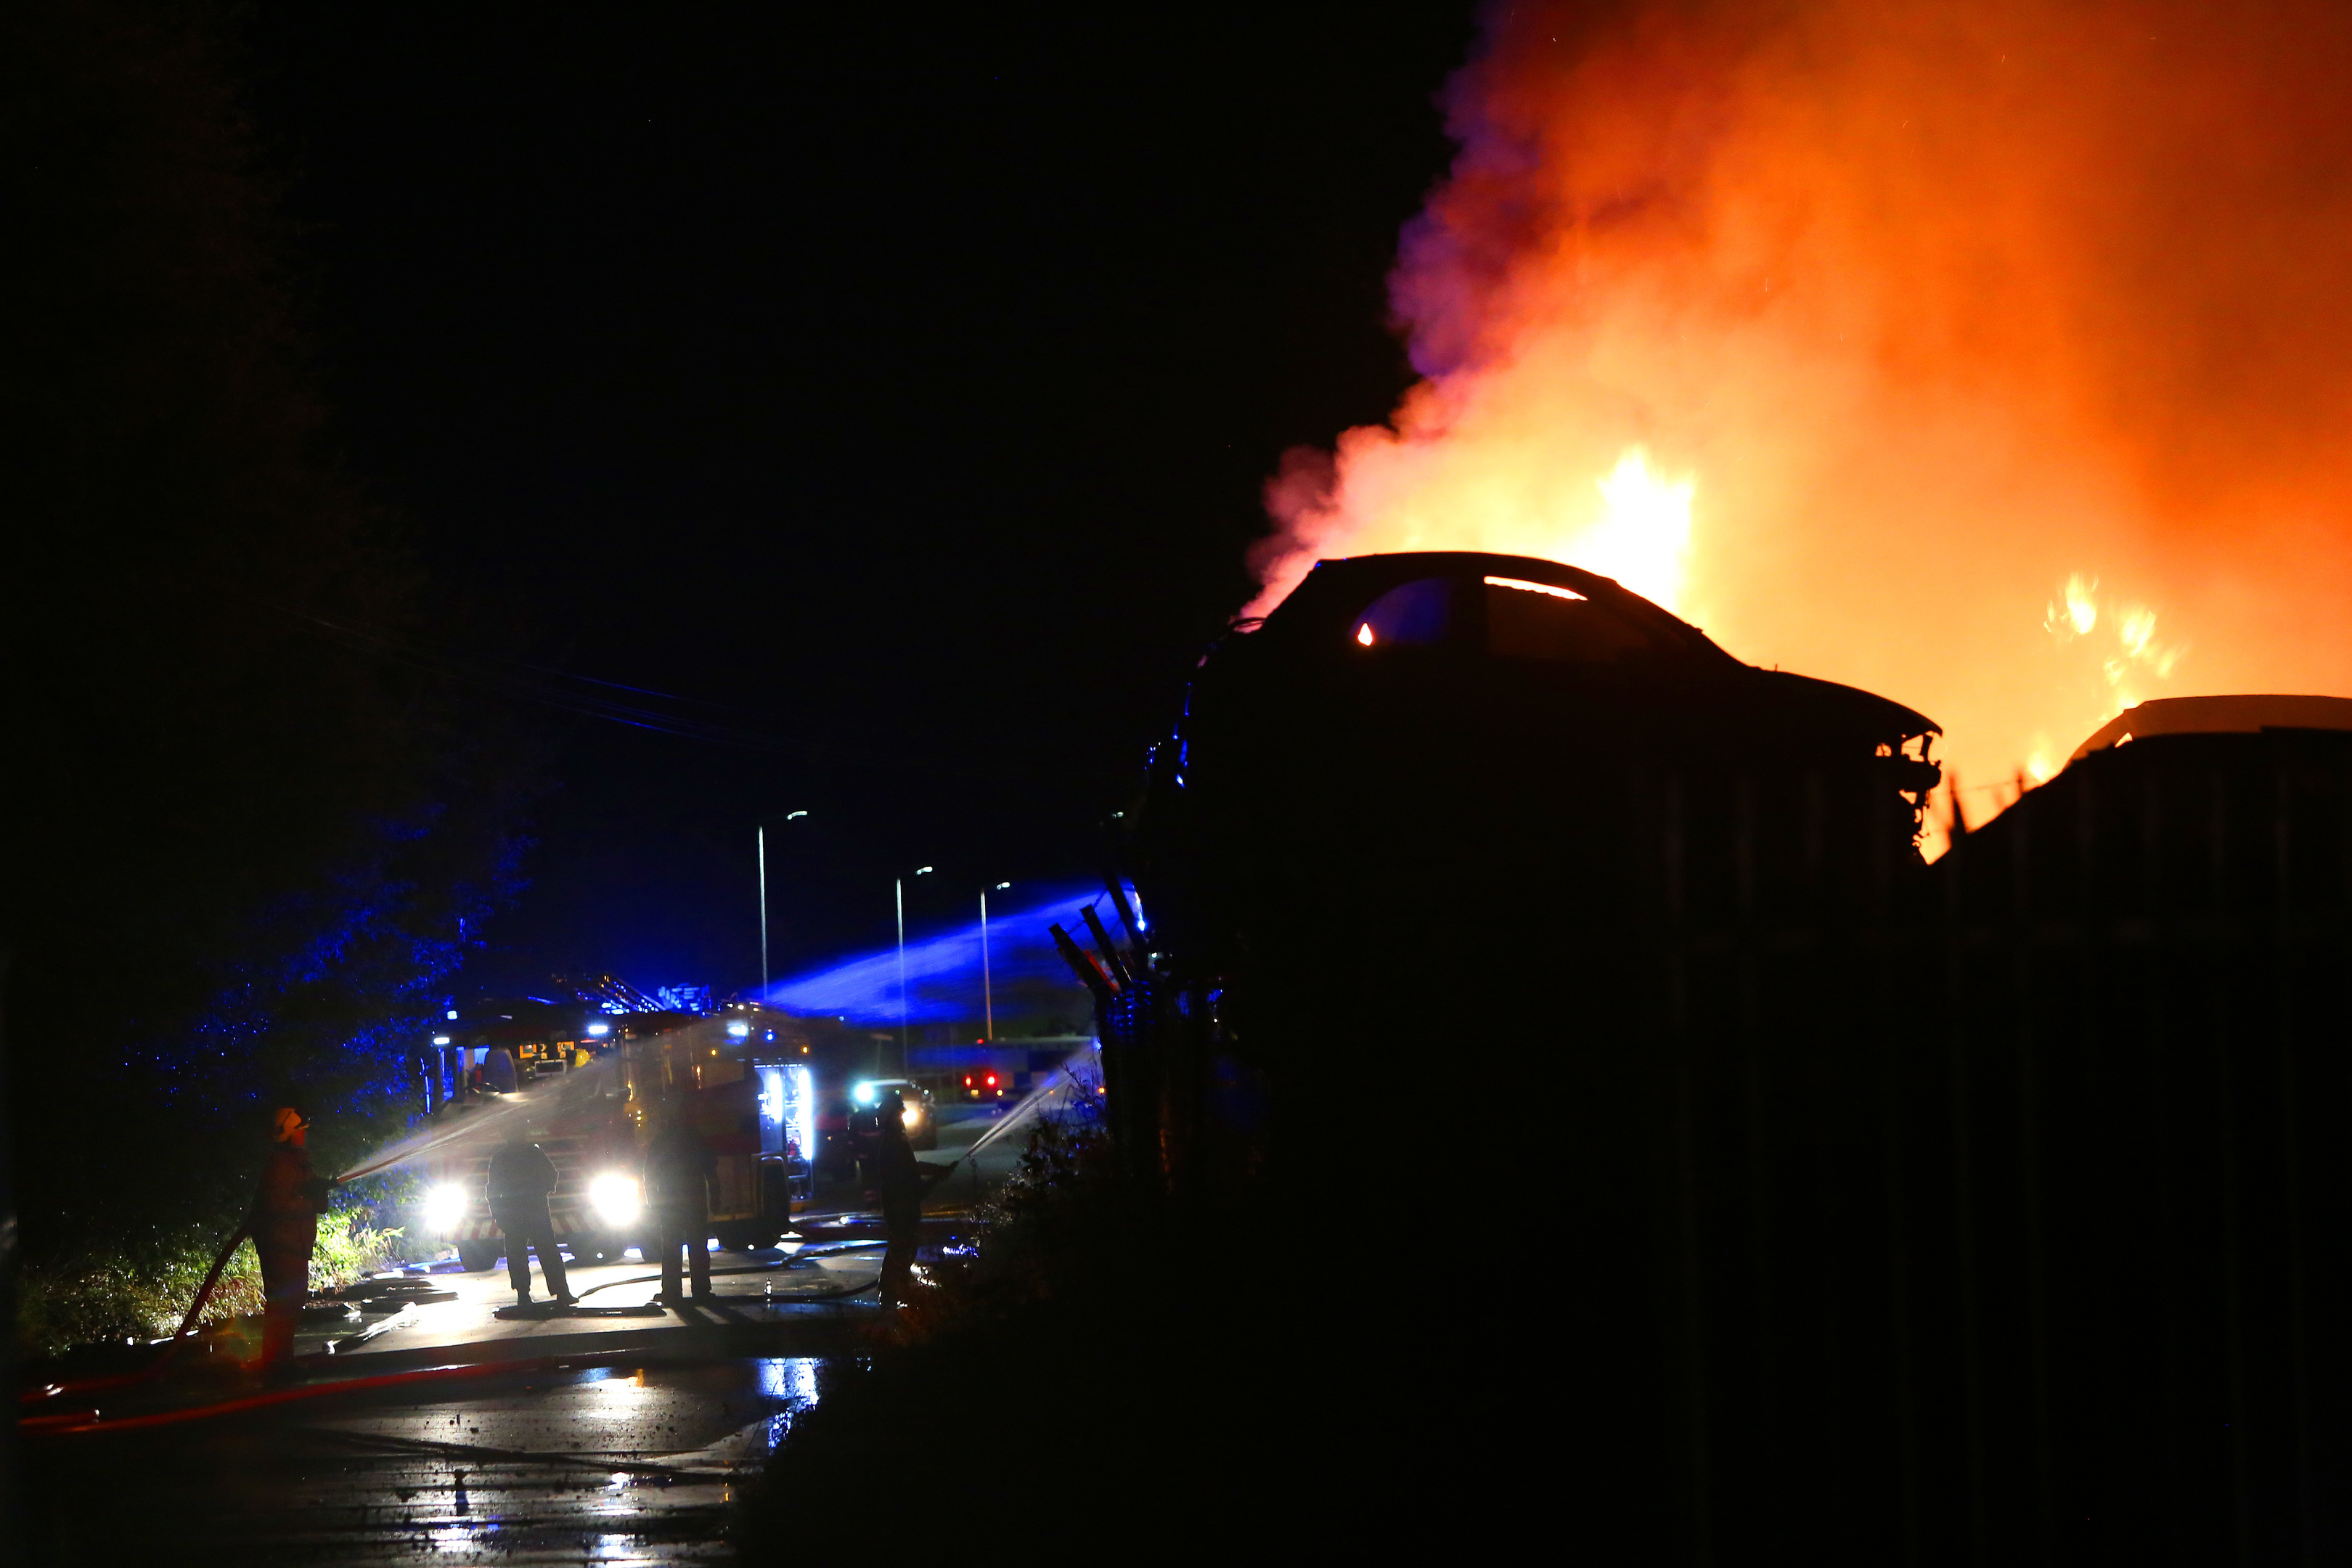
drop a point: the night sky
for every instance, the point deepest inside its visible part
(893, 394)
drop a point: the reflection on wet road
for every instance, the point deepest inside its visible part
(629, 1463)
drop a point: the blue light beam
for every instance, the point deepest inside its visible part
(943, 980)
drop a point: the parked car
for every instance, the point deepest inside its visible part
(917, 1111)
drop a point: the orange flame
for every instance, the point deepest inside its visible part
(1847, 329)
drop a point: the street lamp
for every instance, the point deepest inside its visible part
(762, 830)
(898, 886)
(987, 988)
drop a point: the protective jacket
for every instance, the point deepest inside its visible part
(898, 1177)
(286, 1208)
(521, 1171)
(677, 1166)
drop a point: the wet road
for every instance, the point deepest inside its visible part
(616, 1433)
(619, 1434)
(638, 1461)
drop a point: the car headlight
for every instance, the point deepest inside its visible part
(445, 1206)
(911, 1118)
(615, 1198)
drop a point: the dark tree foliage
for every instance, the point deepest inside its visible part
(238, 851)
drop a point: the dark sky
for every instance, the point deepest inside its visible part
(898, 390)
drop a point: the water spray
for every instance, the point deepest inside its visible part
(474, 1119)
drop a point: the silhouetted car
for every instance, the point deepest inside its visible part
(2153, 818)
(1467, 727)
(2246, 714)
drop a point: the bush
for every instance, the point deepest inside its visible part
(144, 1292)
(349, 1249)
(133, 1293)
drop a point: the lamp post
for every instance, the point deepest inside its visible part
(987, 987)
(898, 888)
(763, 849)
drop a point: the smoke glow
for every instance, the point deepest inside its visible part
(1976, 353)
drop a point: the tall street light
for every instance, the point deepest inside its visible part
(762, 844)
(987, 988)
(898, 886)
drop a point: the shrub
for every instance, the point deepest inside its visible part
(142, 1292)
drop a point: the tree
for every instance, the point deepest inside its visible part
(236, 852)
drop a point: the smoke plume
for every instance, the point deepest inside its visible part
(1996, 357)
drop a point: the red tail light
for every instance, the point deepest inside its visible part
(992, 1081)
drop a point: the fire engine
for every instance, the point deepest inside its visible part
(587, 1086)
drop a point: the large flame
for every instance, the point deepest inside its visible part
(1851, 330)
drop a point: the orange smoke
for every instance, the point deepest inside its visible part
(1996, 357)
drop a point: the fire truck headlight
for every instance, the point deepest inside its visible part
(865, 1094)
(445, 1206)
(615, 1198)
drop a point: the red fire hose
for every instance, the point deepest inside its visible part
(205, 1292)
(88, 1420)
(154, 1369)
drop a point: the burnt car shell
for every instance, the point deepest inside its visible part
(1665, 684)
(1428, 706)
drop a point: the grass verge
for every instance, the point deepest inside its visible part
(140, 1289)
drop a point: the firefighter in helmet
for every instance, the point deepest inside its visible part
(285, 1229)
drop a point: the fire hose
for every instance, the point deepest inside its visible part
(794, 1261)
(204, 1292)
(74, 1421)
(179, 1338)
(77, 1421)
(155, 1368)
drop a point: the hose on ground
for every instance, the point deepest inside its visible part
(69, 1423)
(794, 1261)
(77, 1421)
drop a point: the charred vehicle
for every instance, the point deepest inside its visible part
(1476, 722)
(2196, 807)
(1445, 805)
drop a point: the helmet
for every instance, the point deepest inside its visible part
(288, 1122)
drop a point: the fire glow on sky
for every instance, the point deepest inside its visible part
(1993, 355)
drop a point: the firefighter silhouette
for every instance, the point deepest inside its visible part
(677, 1175)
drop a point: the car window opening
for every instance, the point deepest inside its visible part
(1416, 614)
(1537, 621)
(1526, 587)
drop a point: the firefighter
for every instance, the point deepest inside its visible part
(522, 1175)
(284, 1226)
(899, 1181)
(677, 1174)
